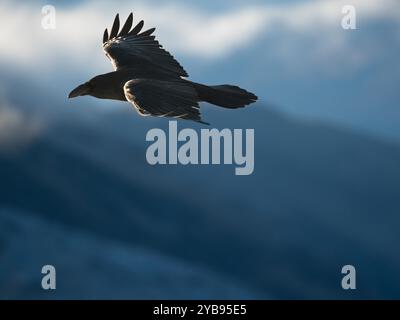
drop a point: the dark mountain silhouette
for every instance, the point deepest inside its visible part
(320, 198)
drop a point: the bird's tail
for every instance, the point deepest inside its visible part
(225, 96)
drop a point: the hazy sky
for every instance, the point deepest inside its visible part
(293, 54)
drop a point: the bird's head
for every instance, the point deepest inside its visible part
(82, 90)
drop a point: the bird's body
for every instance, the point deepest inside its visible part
(111, 85)
(152, 80)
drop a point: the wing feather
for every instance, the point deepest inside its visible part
(147, 32)
(105, 36)
(173, 98)
(137, 29)
(131, 49)
(115, 27)
(127, 26)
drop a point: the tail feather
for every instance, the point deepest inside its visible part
(225, 96)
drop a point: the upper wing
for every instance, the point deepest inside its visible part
(174, 98)
(129, 48)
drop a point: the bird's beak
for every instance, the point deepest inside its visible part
(82, 90)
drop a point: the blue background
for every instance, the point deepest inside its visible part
(76, 191)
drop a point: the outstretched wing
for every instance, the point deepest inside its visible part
(177, 99)
(130, 48)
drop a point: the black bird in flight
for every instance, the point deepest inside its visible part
(151, 79)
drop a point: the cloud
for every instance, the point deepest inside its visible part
(207, 35)
(180, 29)
(185, 29)
(312, 15)
(17, 129)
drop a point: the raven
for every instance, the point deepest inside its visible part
(150, 78)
